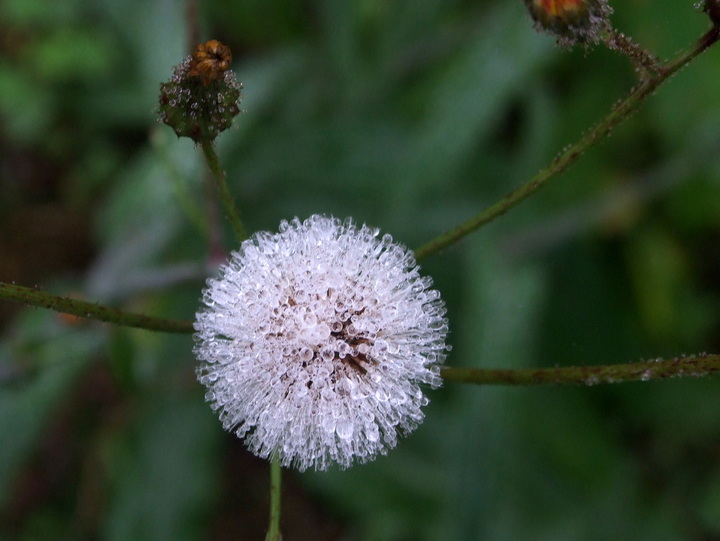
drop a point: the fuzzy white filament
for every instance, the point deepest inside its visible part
(313, 343)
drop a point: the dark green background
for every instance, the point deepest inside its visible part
(411, 116)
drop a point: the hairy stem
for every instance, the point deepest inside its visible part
(273, 533)
(643, 61)
(90, 310)
(568, 156)
(699, 365)
(223, 190)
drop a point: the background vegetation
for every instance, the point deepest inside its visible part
(411, 116)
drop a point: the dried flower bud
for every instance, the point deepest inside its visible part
(210, 61)
(571, 21)
(201, 99)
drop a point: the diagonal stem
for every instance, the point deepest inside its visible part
(568, 156)
(223, 190)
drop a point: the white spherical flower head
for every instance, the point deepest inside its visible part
(313, 343)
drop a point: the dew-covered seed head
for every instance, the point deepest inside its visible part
(315, 342)
(202, 97)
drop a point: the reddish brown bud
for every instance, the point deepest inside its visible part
(571, 21)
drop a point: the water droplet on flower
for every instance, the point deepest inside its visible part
(344, 429)
(372, 433)
(328, 423)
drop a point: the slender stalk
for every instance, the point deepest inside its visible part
(275, 492)
(699, 365)
(568, 156)
(223, 189)
(90, 310)
(216, 250)
(185, 198)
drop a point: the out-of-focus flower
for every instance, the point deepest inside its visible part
(202, 97)
(314, 342)
(571, 21)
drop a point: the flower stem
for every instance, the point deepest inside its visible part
(90, 310)
(568, 156)
(273, 533)
(699, 365)
(223, 189)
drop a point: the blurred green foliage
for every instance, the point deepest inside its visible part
(411, 116)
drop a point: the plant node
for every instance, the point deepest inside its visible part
(644, 62)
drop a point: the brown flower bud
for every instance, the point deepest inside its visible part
(202, 97)
(210, 61)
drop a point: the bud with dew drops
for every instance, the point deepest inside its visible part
(572, 22)
(202, 97)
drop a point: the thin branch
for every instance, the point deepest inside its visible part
(89, 310)
(223, 189)
(692, 366)
(619, 112)
(699, 365)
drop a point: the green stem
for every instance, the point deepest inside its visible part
(568, 156)
(693, 366)
(223, 190)
(699, 365)
(90, 310)
(184, 196)
(275, 492)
